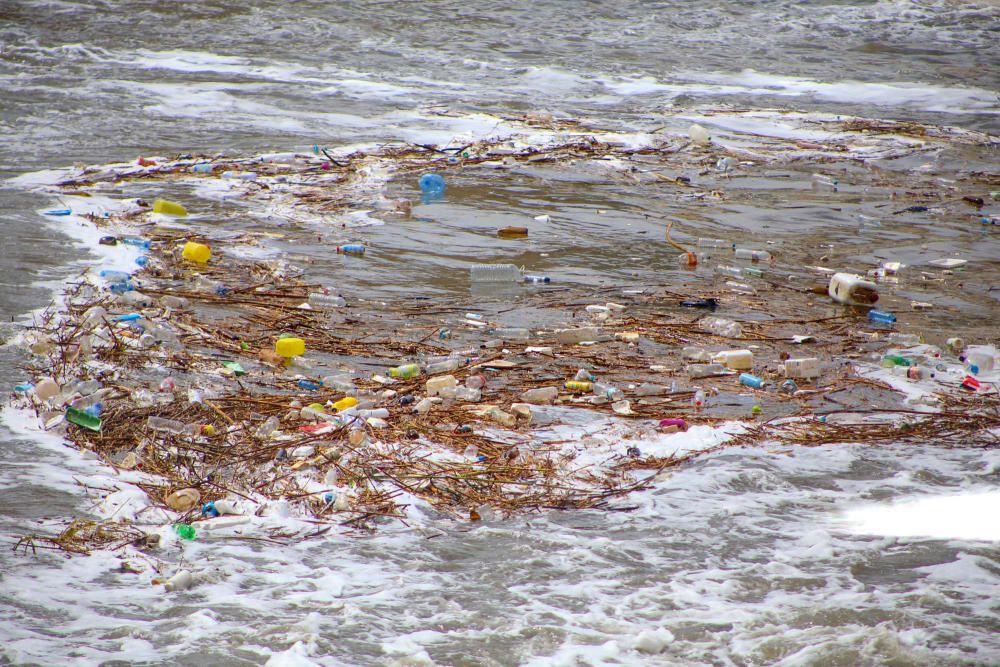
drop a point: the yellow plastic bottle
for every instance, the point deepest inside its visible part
(290, 347)
(169, 207)
(344, 403)
(196, 252)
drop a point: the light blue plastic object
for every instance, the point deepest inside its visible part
(142, 260)
(431, 187)
(204, 168)
(209, 510)
(751, 381)
(131, 317)
(121, 288)
(138, 243)
(881, 317)
(59, 211)
(115, 276)
(23, 388)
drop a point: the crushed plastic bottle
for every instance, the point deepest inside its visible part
(320, 300)
(722, 327)
(431, 187)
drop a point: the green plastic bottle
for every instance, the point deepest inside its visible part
(890, 360)
(82, 419)
(405, 371)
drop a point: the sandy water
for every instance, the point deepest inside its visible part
(746, 557)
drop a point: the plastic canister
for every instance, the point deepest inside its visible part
(196, 252)
(852, 289)
(737, 360)
(290, 347)
(806, 367)
(169, 208)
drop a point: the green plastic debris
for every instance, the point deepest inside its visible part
(185, 531)
(235, 367)
(82, 419)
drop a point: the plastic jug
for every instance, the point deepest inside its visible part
(290, 347)
(852, 289)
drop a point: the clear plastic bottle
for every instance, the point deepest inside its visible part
(706, 370)
(722, 327)
(167, 425)
(608, 391)
(698, 400)
(584, 375)
(752, 255)
(320, 300)
(494, 273)
(445, 366)
(650, 389)
(729, 271)
(823, 182)
(511, 333)
(714, 243)
(540, 395)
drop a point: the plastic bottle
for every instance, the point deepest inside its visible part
(738, 360)
(494, 273)
(173, 302)
(540, 395)
(142, 244)
(789, 387)
(204, 168)
(714, 243)
(511, 333)
(405, 371)
(468, 394)
(537, 279)
(168, 425)
(435, 385)
(852, 289)
(307, 385)
(729, 271)
(742, 288)
(722, 327)
(475, 381)
(706, 370)
(341, 383)
(650, 389)
(379, 413)
(351, 249)
(752, 381)
(579, 387)
(823, 182)
(169, 208)
(692, 353)
(112, 276)
(881, 317)
(584, 375)
(608, 391)
(979, 356)
(891, 360)
(431, 187)
(446, 366)
(345, 403)
(82, 419)
(752, 255)
(320, 300)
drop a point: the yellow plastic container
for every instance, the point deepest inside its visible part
(196, 252)
(344, 403)
(169, 207)
(290, 347)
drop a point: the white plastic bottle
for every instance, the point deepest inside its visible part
(737, 360)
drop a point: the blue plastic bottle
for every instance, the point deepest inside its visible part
(881, 317)
(138, 243)
(752, 381)
(351, 249)
(115, 276)
(431, 187)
